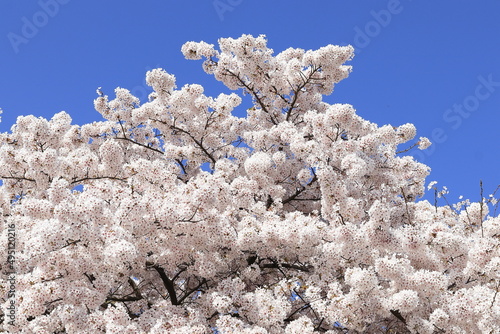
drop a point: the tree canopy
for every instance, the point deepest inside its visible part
(175, 216)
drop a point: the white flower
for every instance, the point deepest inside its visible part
(405, 301)
(424, 143)
(431, 185)
(406, 131)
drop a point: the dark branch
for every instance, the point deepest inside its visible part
(167, 283)
(300, 190)
(142, 145)
(255, 95)
(99, 178)
(187, 294)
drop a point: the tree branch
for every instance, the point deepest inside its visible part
(99, 178)
(187, 294)
(167, 283)
(142, 145)
(300, 190)
(255, 95)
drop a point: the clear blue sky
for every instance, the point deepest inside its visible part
(432, 63)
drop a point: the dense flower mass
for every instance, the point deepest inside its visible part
(175, 216)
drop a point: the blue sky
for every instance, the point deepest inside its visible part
(432, 63)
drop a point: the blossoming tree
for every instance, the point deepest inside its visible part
(300, 217)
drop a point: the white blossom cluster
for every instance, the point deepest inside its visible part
(175, 216)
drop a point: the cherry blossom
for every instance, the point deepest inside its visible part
(176, 216)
